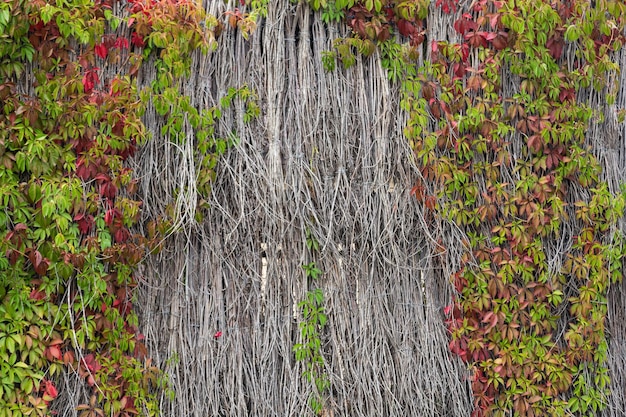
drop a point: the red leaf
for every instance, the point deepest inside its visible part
(217, 334)
(87, 84)
(109, 216)
(53, 353)
(500, 41)
(464, 24)
(137, 40)
(101, 177)
(121, 43)
(35, 257)
(13, 256)
(37, 295)
(122, 235)
(459, 69)
(83, 170)
(535, 143)
(84, 223)
(448, 6)
(49, 390)
(455, 347)
(101, 50)
(430, 202)
(68, 357)
(128, 405)
(493, 20)
(42, 267)
(567, 94)
(418, 191)
(90, 362)
(491, 319)
(108, 190)
(405, 27)
(476, 39)
(232, 21)
(555, 45)
(477, 413)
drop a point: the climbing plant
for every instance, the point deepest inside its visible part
(69, 206)
(498, 121)
(314, 319)
(507, 169)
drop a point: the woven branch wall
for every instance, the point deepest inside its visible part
(326, 156)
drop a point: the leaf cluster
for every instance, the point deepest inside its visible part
(314, 318)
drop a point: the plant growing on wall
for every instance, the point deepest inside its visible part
(505, 169)
(314, 318)
(69, 206)
(504, 160)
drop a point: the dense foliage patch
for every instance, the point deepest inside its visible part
(68, 204)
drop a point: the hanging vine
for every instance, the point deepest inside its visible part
(314, 319)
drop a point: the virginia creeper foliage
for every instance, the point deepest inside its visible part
(528, 320)
(68, 202)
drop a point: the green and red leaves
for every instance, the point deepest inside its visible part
(66, 189)
(504, 320)
(39, 263)
(63, 176)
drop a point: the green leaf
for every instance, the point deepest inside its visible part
(48, 208)
(572, 33)
(47, 12)
(5, 16)
(34, 192)
(105, 239)
(319, 296)
(20, 161)
(10, 344)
